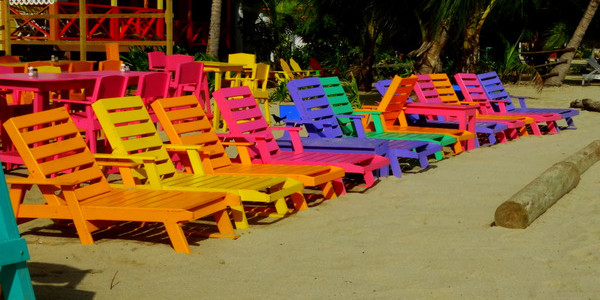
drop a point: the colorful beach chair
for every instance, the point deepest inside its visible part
(74, 188)
(247, 123)
(392, 111)
(320, 121)
(473, 92)
(517, 125)
(493, 87)
(132, 135)
(15, 281)
(185, 123)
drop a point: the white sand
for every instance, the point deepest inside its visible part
(426, 235)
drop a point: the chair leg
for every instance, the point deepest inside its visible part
(15, 281)
(299, 201)
(535, 128)
(239, 217)
(177, 237)
(395, 165)
(339, 187)
(328, 190)
(502, 137)
(223, 222)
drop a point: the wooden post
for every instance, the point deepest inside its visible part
(82, 31)
(53, 23)
(6, 24)
(534, 199)
(169, 25)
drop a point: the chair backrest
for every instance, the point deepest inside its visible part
(36, 64)
(494, 89)
(157, 60)
(81, 66)
(593, 62)
(112, 51)
(313, 107)
(172, 62)
(395, 98)
(261, 80)
(473, 91)
(185, 122)
(9, 59)
(189, 73)
(110, 65)
(153, 86)
(248, 76)
(51, 146)
(295, 66)
(49, 69)
(444, 87)
(242, 115)
(314, 64)
(109, 87)
(340, 104)
(246, 59)
(426, 91)
(287, 71)
(131, 132)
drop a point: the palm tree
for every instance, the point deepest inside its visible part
(558, 73)
(214, 32)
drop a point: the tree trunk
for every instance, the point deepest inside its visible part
(470, 50)
(470, 53)
(559, 72)
(428, 55)
(214, 32)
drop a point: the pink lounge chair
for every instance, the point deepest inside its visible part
(474, 92)
(247, 123)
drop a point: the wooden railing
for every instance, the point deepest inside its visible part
(60, 24)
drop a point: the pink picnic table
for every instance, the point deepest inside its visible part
(465, 115)
(45, 83)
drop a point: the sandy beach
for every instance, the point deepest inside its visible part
(427, 235)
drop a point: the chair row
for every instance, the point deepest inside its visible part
(263, 177)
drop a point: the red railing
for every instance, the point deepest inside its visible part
(98, 28)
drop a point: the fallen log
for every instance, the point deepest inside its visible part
(535, 198)
(586, 104)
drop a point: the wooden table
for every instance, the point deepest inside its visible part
(219, 68)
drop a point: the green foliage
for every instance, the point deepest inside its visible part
(390, 64)
(280, 94)
(137, 57)
(351, 89)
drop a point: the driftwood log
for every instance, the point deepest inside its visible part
(535, 198)
(586, 104)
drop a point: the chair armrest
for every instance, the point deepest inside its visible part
(242, 149)
(521, 100)
(370, 112)
(41, 181)
(350, 116)
(258, 139)
(358, 126)
(501, 104)
(132, 162)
